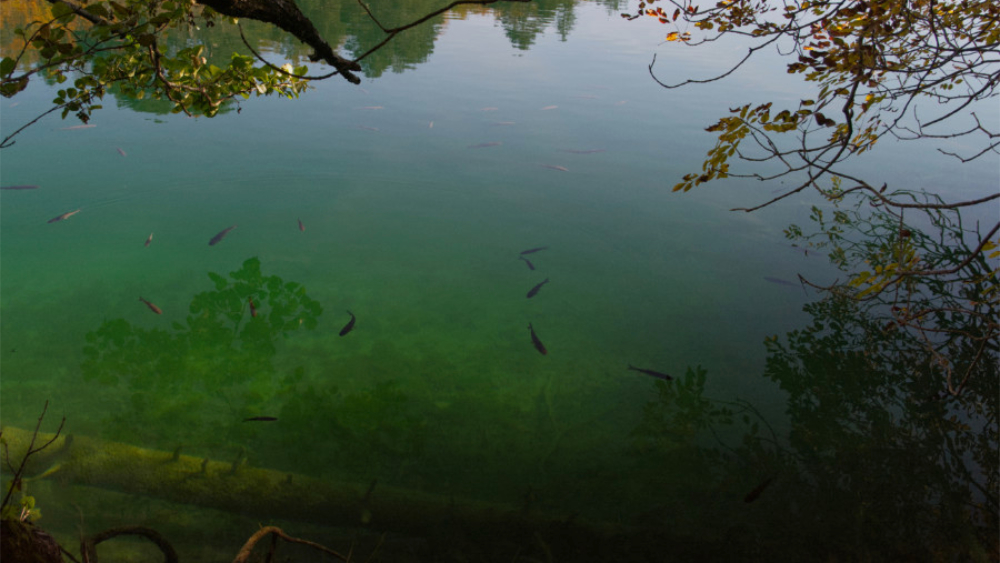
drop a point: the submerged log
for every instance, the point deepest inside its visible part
(265, 493)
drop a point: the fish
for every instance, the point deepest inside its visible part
(491, 108)
(301, 226)
(222, 234)
(367, 128)
(538, 343)
(528, 262)
(752, 495)
(549, 107)
(533, 250)
(484, 145)
(349, 326)
(75, 127)
(621, 102)
(152, 307)
(371, 107)
(584, 151)
(431, 125)
(587, 97)
(555, 167)
(64, 216)
(20, 187)
(780, 281)
(534, 290)
(120, 151)
(261, 419)
(253, 310)
(503, 123)
(656, 374)
(149, 239)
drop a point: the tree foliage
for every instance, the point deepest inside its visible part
(123, 44)
(878, 70)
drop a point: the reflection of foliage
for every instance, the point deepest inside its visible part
(938, 288)
(366, 433)
(880, 461)
(873, 427)
(223, 353)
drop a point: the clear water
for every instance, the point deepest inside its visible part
(408, 226)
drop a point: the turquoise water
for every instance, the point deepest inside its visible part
(417, 232)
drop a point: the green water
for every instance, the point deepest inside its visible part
(438, 387)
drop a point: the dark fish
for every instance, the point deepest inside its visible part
(21, 187)
(120, 151)
(780, 281)
(222, 234)
(538, 343)
(66, 215)
(152, 307)
(150, 239)
(349, 326)
(528, 262)
(301, 226)
(752, 495)
(484, 145)
(533, 250)
(260, 419)
(253, 310)
(656, 374)
(534, 290)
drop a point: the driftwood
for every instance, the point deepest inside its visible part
(266, 494)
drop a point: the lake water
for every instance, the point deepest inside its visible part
(404, 206)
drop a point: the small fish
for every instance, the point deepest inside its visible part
(546, 108)
(149, 239)
(621, 102)
(587, 97)
(301, 226)
(555, 167)
(528, 262)
(533, 250)
(534, 290)
(584, 151)
(261, 419)
(75, 127)
(431, 126)
(752, 495)
(367, 128)
(120, 151)
(253, 310)
(503, 123)
(152, 307)
(491, 108)
(656, 374)
(371, 107)
(222, 234)
(349, 326)
(20, 187)
(64, 216)
(780, 281)
(538, 343)
(484, 145)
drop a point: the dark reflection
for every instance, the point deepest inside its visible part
(195, 382)
(877, 461)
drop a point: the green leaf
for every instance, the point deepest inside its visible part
(7, 66)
